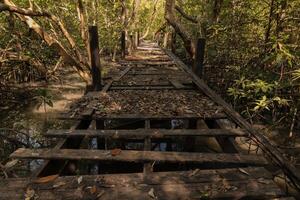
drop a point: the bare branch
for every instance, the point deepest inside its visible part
(5, 7)
(185, 15)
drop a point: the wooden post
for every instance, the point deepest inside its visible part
(123, 44)
(131, 44)
(173, 42)
(199, 57)
(136, 37)
(95, 58)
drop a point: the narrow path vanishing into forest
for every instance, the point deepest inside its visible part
(154, 131)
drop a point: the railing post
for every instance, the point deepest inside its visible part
(136, 39)
(95, 58)
(199, 57)
(123, 44)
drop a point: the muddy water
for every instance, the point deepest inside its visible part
(26, 118)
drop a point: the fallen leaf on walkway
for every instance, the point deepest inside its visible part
(59, 184)
(262, 180)
(115, 152)
(30, 193)
(193, 173)
(100, 194)
(10, 164)
(79, 180)
(151, 194)
(93, 189)
(46, 179)
(244, 171)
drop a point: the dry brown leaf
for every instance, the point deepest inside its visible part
(244, 171)
(194, 172)
(115, 152)
(30, 193)
(100, 194)
(262, 180)
(79, 180)
(59, 184)
(46, 179)
(151, 194)
(11, 164)
(93, 189)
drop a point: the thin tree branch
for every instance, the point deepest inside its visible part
(5, 7)
(185, 15)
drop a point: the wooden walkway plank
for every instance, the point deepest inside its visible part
(142, 133)
(150, 88)
(140, 156)
(223, 183)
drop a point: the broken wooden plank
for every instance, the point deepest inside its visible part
(147, 147)
(142, 133)
(177, 84)
(56, 166)
(139, 156)
(109, 84)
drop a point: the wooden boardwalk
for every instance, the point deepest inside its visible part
(159, 132)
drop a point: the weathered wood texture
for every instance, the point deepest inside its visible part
(246, 183)
(123, 44)
(152, 133)
(139, 156)
(109, 84)
(95, 58)
(199, 57)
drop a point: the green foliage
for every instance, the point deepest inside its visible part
(257, 97)
(43, 97)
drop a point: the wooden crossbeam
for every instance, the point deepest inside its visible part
(142, 133)
(140, 156)
(67, 116)
(150, 88)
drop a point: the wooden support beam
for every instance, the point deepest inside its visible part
(141, 156)
(151, 133)
(199, 57)
(147, 147)
(228, 144)
(207, 144)
(57, 166)
(123, 44)
(95, 58)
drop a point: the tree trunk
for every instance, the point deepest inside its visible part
(178, 27)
